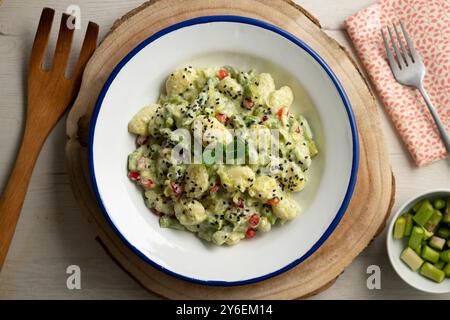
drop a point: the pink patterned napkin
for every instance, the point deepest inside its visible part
(428, 25)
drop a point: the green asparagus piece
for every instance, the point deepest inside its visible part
(312, 148)
(433, 223)
(437, 243)
(206, 234)
(411, 258)
(249, 120)
(447, 270)
(424, 213)
(440, 265)
(431, 272)
(446, 217)
(443, 232)
(430, 254)
(427, 234)
(445, 255)
(168, 222)
(418, 250)
(416, 238)
(409, 224)
(417, 206)
(399, 227)
(439, 204)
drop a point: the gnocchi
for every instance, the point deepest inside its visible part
(207, 113)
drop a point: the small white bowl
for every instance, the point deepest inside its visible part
(395, 247)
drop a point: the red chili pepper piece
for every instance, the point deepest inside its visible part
(280, 112)
(248, 103)
(253, 221)
(239, 204)
(134, 175)
(250, 233)
(147, 183)
(214, 188)
(222, 73)
(222, 118)
(273, 201)
(176, 189)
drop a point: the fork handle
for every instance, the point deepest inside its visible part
(13, 196)
(444, 136)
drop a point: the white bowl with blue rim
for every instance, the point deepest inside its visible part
(244, 43)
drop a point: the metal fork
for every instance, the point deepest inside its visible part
(408, 69)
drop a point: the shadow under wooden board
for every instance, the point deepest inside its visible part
(374, 193)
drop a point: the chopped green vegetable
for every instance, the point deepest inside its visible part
(445, 255)
(249, 120)
(440, 265)
(409, 224)
(439, 204)
(232, 71)
(433, 223)
(417, 206)
(427, 234)
(424, 213)
(443, 233)
(446, 217)
(430, 254)
(416, 238)
(418, 250)
(411, 258)
(399, 228)
(312, 148)
(431, 272)
(206, 234)
(437, 243)
(168, 222)
(272, 219)
(447, 270)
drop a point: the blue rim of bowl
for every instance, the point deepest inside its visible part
(299, 43)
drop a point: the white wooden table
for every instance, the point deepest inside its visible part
(53, 233)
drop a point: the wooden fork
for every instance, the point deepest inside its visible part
(49, 95)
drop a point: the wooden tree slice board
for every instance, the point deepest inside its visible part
(373, 195)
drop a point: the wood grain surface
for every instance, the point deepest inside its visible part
(53, 234)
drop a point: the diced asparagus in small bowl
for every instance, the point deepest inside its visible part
(418, 242)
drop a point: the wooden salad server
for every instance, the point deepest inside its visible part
(50, 93)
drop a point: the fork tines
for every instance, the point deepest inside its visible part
(63, 45)
(404, 55)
